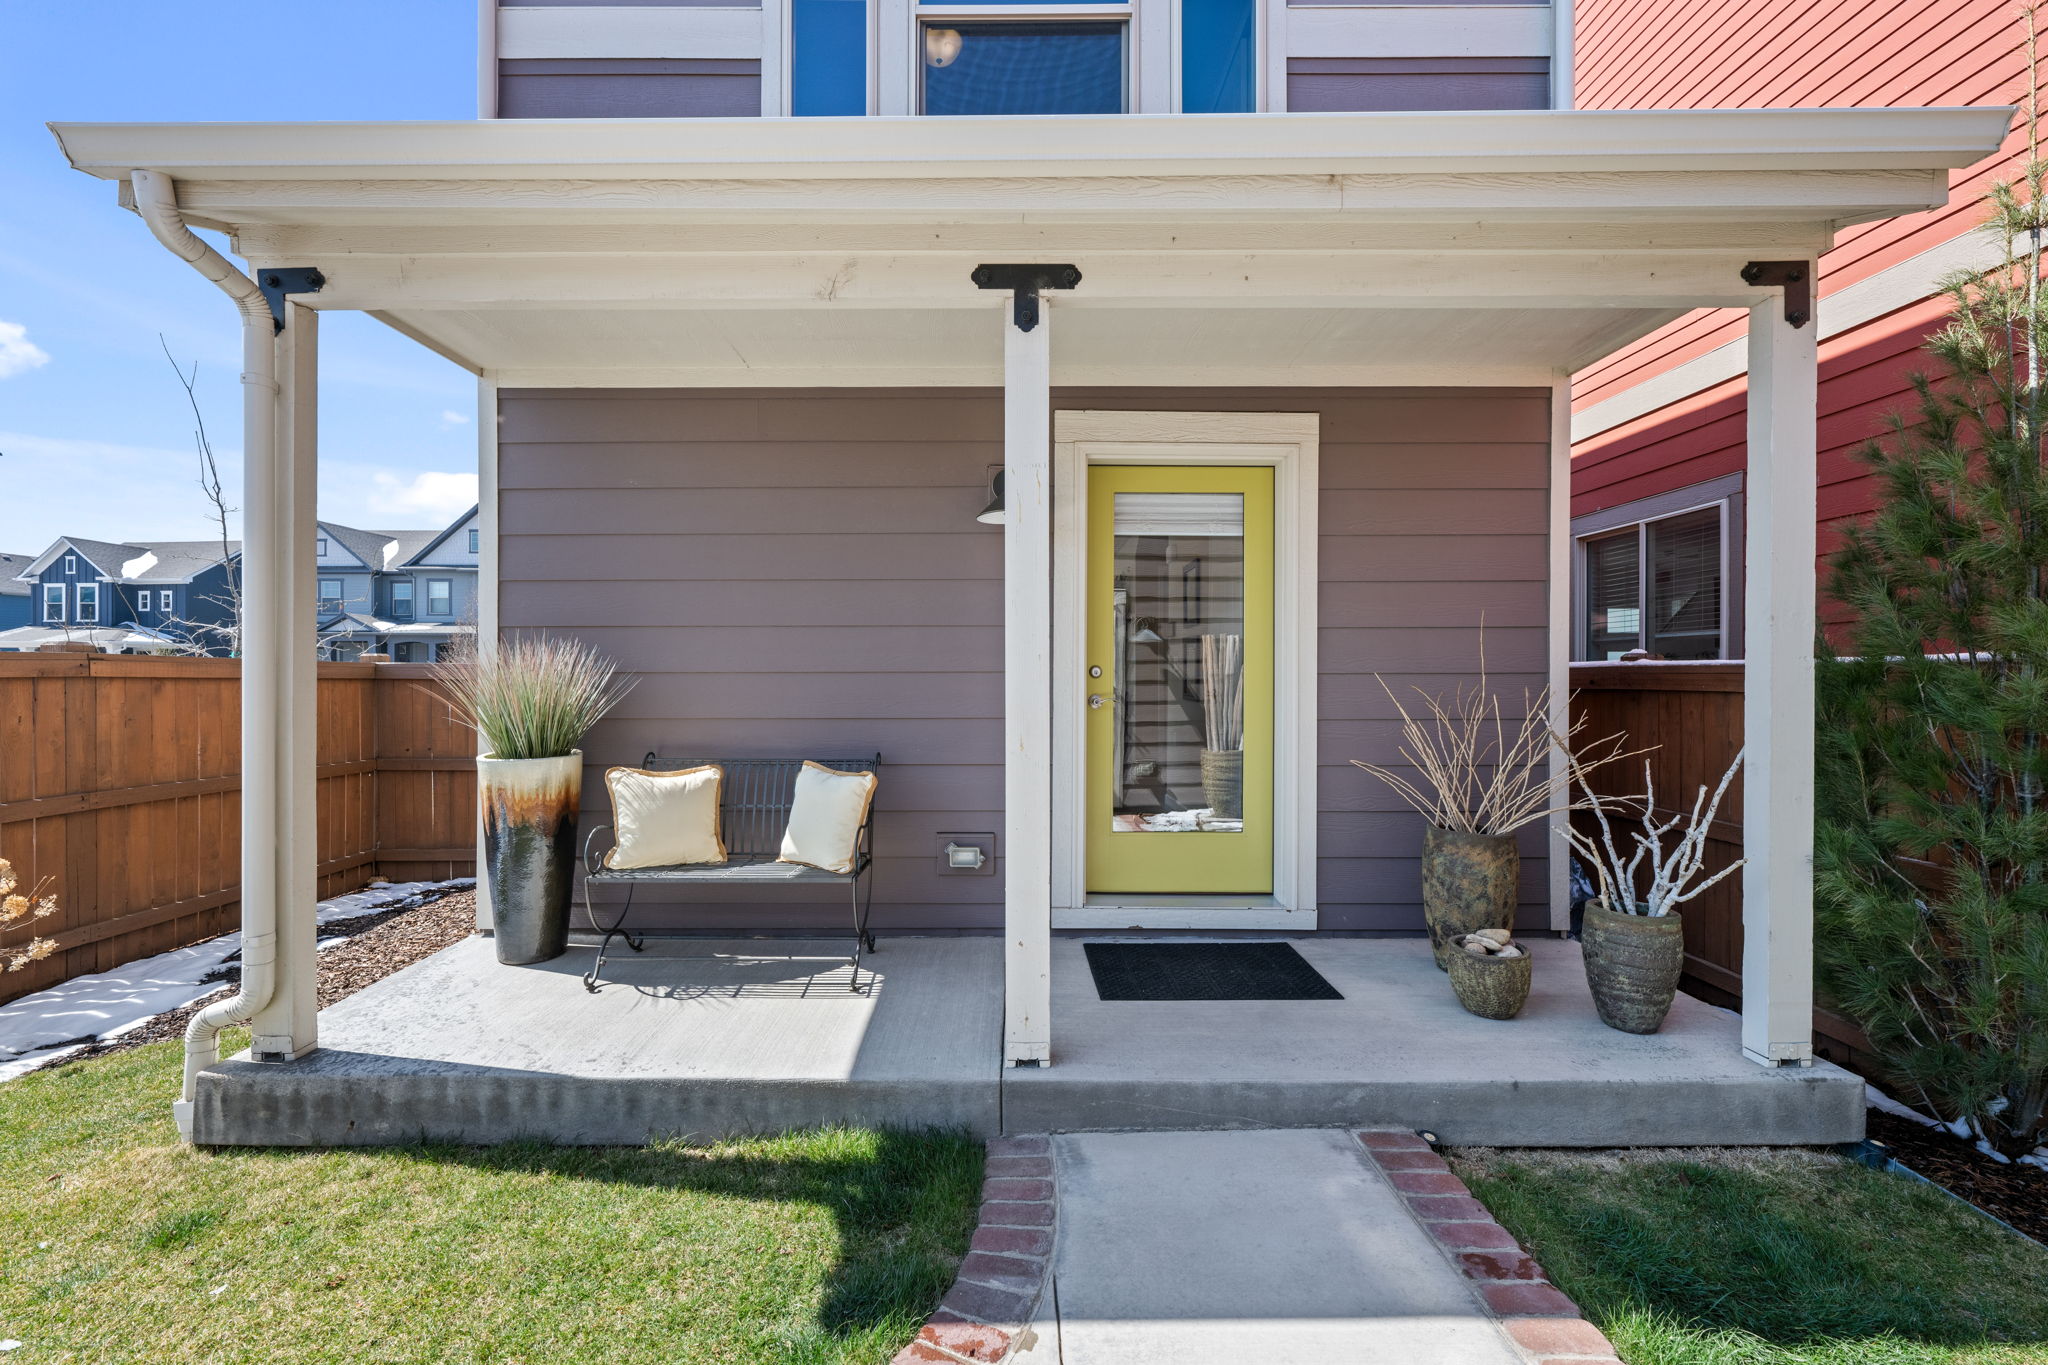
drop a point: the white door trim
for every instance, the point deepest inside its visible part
(1287, 442)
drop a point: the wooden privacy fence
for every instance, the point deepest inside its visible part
(120, 784)
(1692, 712)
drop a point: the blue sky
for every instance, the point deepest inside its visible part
(95, 435)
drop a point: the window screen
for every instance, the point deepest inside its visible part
(1685, 586)
(1024, 67)
(1613, 595)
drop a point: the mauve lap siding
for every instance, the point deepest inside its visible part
(801, 572)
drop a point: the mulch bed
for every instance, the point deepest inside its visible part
(2015, 1193)
(377, 945)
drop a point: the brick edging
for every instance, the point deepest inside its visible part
(985, 1315)
(1537, 1316)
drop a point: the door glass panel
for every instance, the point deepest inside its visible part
(828, 58)
(1177, 764)
(1216, 51)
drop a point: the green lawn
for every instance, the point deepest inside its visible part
(1769, 1258)
(117, 1244)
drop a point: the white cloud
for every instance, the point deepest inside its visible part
(60, 485)
(432, 497)
(451, 418)
(18, 354)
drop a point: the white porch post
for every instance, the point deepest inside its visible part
(1777, 697)
(1027, 688)
(486, 591)
(279, 649)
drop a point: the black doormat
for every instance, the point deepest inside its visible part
(1205, 971)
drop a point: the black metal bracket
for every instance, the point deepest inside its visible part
(1795, 277)
(1024, 282)
(290, 279)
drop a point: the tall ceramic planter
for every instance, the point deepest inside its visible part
(1632, 966)
(529, 812)
(1468, 883)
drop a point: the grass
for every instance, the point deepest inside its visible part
(1769, 1258)
(117, 1244)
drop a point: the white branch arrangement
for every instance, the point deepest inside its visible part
(1673, 876)
(1477, 776)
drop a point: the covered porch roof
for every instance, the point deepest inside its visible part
(1317, 248)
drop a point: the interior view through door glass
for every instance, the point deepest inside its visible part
(1179, 621)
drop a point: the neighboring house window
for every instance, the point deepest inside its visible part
(402, 652)
(473, 540)
(164, 600)
(88, 601)
(1218, 52)
(828, 59)
(401, 600)
(53, 601)
(1022, 65)
(330, 592)
(70, 566)
(440, 596)
(1656, 585)
(320, 546)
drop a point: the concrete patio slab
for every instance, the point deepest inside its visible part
(698, 1037)
(1398, 1052)
(1201, 1247)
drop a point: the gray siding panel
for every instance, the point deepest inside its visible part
(797, 572)
(629, 88)
(1378, 84)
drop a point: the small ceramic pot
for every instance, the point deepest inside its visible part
(1469, 883)
(1490, 987)
(529, 815)
(1632, 965)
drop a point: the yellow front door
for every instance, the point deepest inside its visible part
(1180, 680)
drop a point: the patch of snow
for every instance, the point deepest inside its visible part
(138, 566)
(40, 1028)
(1874, 1098)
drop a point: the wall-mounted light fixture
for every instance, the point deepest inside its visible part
(941, 46)
(964, 856)
(992, 514)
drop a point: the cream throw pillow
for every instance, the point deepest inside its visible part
(825, 817)
(665, 818)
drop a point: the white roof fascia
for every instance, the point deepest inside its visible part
(1119, 145)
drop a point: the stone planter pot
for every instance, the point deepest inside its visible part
(1490, 987)
(1632, 965)
(529, 814)
(1468, 883)
(1223, 782)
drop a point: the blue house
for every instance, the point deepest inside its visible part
(14, 594)
(125, 596)
(409, 594)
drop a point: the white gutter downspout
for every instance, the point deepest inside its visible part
(156, 199)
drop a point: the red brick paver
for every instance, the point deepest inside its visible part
(1539, 1318)
(997, 1288)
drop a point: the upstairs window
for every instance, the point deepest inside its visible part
(828, 64)
(1217, 47)
(320, 546)
(473, 536)
(440, 596)
(330, 592)
(1024, 66)
(1656, 586)
(401, 600)
(70, 566)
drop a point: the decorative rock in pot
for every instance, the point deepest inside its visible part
(1469, 882)
(1633, 964)
(1490, 973)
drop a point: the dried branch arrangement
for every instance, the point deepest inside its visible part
(1673, 876)
(1476, 775)
(16, 907)
(1223, 691)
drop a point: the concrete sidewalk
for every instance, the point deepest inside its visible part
(1237, 1247)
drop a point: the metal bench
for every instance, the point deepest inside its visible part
(753, 811)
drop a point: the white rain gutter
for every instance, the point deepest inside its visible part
(156, 199)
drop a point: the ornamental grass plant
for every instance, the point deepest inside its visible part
(533, 696)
